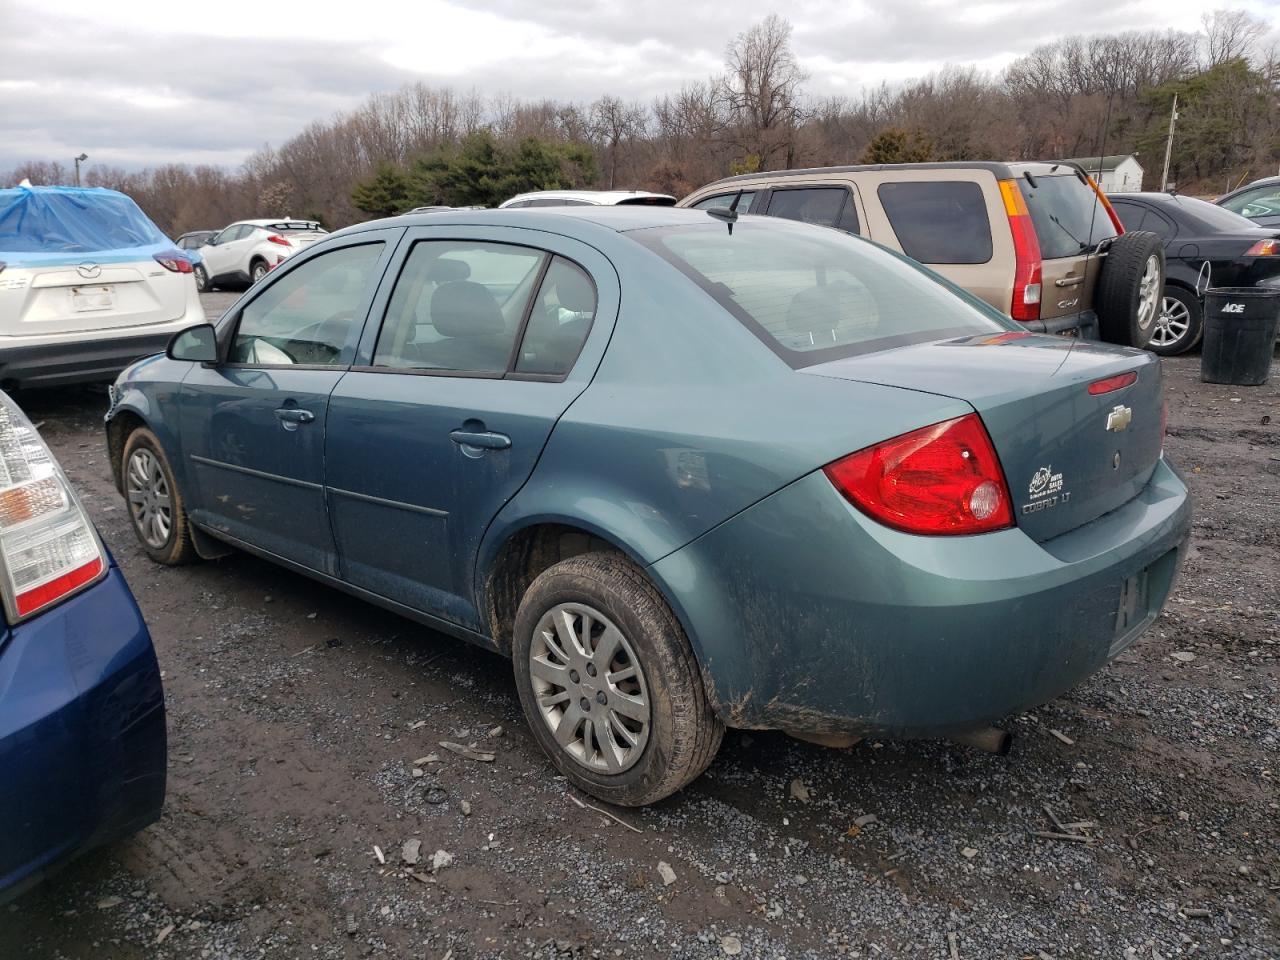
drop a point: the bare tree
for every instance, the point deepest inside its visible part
(764, 89)
(1229, 34)
(614, 124)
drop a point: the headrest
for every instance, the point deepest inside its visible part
(821, 309)
(465, 309)
(444, 270)
(575, 292)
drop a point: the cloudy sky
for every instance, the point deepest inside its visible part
(133, 83)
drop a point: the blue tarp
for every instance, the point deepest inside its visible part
(49, 226)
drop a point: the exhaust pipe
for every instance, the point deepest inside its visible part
(991, 739)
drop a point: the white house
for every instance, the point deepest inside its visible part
(1120, 173)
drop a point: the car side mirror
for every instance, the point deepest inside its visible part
(198, 344)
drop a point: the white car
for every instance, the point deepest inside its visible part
(88, 285)
(587, 198)
(244, 251)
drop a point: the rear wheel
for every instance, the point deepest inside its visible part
(1180, 323)
(1129, 290)
(156, 506)
(257, 271)
(609, 683)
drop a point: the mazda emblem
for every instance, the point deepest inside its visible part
(90, 271)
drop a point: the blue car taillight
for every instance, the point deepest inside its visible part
(48, 548)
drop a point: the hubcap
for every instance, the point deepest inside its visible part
(589, 688)
(1149, 293)
(1172, 324)
(149, 502)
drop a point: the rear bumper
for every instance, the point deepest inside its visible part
(808, 616)
(86, 357)
(82, 732)
(1083, 324)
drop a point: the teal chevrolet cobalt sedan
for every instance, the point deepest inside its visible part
(687, 470)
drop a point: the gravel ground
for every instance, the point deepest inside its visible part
(304, 750)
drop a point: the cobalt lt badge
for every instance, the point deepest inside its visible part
(1119, 418)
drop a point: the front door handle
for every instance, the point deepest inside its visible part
(484, 440)
(290, 417)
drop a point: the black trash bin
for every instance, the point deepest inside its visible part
(1239, 334)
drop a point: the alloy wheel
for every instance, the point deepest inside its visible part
(1172, 324)
(590, 688)
(1149, 293)
(149, 500)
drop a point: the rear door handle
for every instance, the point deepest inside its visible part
(485, 440)
(290, 417)
(1068, 281)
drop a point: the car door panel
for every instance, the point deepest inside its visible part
(418, 463)
(253, 426)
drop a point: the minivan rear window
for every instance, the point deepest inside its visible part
(814, 295)
(939, 221)
(1068, 216)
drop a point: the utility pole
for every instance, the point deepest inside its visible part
(80, 159)
(1168, 147)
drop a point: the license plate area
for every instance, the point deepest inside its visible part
(1133, 611)
(91, 299)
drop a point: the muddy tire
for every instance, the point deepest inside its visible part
(1129, 290)
(609, 683)
(157, 510)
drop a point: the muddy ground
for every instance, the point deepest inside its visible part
(296, 715)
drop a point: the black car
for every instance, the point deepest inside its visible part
(1204, 245)
(1259, 201)
(195, 239)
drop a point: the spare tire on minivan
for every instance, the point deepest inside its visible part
(1127, 298)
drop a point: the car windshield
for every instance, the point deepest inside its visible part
(814, 294)
(1218, 219)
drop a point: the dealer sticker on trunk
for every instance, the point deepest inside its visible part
(1045, 490)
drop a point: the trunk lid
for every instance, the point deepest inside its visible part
(1069, 456)
(62, 299)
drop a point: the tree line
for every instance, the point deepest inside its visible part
(1078, 96)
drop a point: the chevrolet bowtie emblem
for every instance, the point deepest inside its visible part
(1119, 418)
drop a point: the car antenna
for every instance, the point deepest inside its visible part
(728, 215)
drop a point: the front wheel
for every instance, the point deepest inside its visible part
(156, 505)
(1180, 324)
(608, 682)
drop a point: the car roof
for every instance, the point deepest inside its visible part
(553, 219)
(602, 197)
(1260, 182)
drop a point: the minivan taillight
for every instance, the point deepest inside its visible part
(48, 548)
(941, 480)
(173, 261)
(1026, 254)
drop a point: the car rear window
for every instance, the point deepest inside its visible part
(939, 221)
(813, 294)
(648, 202)
(1068, 216)
(302, 225)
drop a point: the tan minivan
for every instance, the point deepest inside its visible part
(1037, 241)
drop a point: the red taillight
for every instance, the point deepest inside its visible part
(48, 548)
(1106, 205)
(942, 480)
(276, 238)
(1026, 253)
(1263, 248)
(1118, 382)
(173, 261)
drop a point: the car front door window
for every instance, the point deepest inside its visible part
(306, 316)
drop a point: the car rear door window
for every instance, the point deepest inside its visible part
(458, 306)
(825, 206)
(306, 316)
(559, 321)
(939, 221)
(1130, 214)
(1159, 224)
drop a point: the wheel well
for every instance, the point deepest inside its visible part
(118, 429)
(522, 558)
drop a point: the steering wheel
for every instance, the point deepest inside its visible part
(321, 334)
